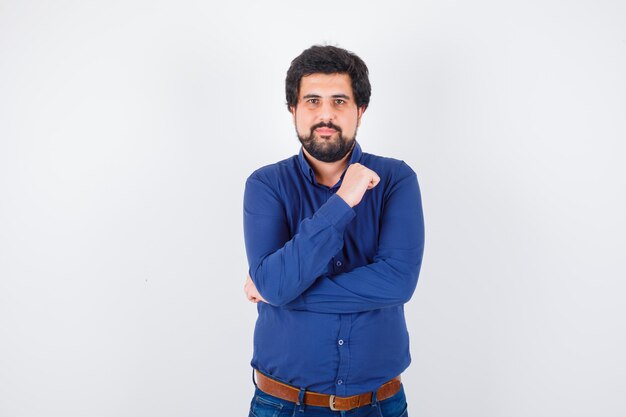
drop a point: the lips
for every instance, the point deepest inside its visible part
(325, 131)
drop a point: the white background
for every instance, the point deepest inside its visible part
(128, 128)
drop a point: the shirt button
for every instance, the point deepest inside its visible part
(338, 263)
(339, 381)
(340, 342)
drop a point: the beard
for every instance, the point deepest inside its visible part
(322, 147)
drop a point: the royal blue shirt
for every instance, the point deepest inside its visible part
(336, 278)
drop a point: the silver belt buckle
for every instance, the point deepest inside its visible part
(332, 403)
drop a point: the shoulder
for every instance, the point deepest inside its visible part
(395, 175)
(265, 186)
(273, 173)
(391, 168)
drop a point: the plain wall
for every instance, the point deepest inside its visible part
(128, 128)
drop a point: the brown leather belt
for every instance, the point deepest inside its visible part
(287, 392)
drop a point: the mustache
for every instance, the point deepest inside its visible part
(328, 125)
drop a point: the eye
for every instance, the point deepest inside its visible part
(313, 100)
(339, 101)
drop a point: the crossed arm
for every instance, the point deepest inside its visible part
(290, 271)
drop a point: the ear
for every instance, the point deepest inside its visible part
(360, 112)
(292, 110)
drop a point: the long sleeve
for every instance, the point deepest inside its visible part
(315, 259)
(282, 267)
(392, 276)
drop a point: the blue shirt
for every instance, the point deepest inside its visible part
(336, 278)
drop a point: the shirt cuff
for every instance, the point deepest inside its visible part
(337, 212)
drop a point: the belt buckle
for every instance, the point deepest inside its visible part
(331, 402)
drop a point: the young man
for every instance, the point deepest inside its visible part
(334, 238)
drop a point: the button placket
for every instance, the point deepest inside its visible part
(343, 348)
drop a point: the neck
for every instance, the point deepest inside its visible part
(327, 173)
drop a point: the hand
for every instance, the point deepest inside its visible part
(252, 294)
(357, 180)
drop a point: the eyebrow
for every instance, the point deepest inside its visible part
(344, 96)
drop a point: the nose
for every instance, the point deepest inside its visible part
(326, 111)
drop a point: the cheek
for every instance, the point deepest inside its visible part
(302, 122)
(350, 125)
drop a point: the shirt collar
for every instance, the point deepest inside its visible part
(310, 174)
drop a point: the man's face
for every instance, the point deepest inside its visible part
(326, 116)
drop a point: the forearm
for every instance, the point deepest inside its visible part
(392, 276)
(282, 267)
(383, 283)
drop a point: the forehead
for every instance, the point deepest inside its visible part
(326, 84)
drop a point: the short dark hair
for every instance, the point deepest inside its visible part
(328, 60)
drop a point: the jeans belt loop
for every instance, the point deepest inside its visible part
(375, 398)
(300, 402)
(253, 380)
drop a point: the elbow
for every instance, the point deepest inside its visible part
(408, 290)
(409, 283)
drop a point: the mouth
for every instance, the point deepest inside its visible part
(325, 131)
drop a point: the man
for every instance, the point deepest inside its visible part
(334, 238)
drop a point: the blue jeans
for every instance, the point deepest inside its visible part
(265, 405)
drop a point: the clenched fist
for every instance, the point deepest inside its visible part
(357, 180)
(252, 294)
